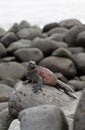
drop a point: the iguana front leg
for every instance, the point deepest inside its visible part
(38, 86)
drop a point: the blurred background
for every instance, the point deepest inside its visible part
(40, 12)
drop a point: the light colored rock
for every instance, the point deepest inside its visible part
(44, 117)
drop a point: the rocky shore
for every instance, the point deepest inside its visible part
(59, 47)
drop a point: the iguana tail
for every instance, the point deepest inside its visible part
(67, 89)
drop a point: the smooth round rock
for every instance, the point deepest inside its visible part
(69, 23)
(62, 52)
(70, 38)
(29, 33)
(58, 30)
(24, 24)
(27, 54)
(8, 38)
(79, 60)
(44, 117)
(59, 64)
(11, 70)
(22, 43)
(47, 46)
(80, 39)
(78, 85)
(23, 97)
(57, 37)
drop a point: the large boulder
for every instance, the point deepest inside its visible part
(29, 33)
(27, 54)
(23, 97)
(47, 46)
(59, 64)
(11, 70)
(70, 38)
(69, 23)
(43, 117)
(79, 118)
(79, 60)
(22, 43)
(8, 38)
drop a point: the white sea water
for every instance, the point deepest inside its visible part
(40, 12)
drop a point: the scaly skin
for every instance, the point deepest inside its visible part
(42, 75)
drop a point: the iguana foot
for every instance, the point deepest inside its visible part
(36, 89)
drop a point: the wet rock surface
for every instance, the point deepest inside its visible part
(57, 46)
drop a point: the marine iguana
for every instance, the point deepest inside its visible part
(41, 75)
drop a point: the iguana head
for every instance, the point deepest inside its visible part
(31, 65)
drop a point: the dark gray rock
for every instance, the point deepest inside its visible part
(3, 105)
(23, 43)
(11, 70)
(70, 38)
(5, 92)
(27, 54)
(62, 52)
(69, 23)
(80, 39)
(29, 33)
(79, 60)
(79, 118)
(50, 26)
(78, 85)
(43, 117)
(76, 50)
(3, 51)
(24, 24)
(58, 30)
(8, 38)
(5, 119)
(23, 97)
(47, 46)
(58, 64)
